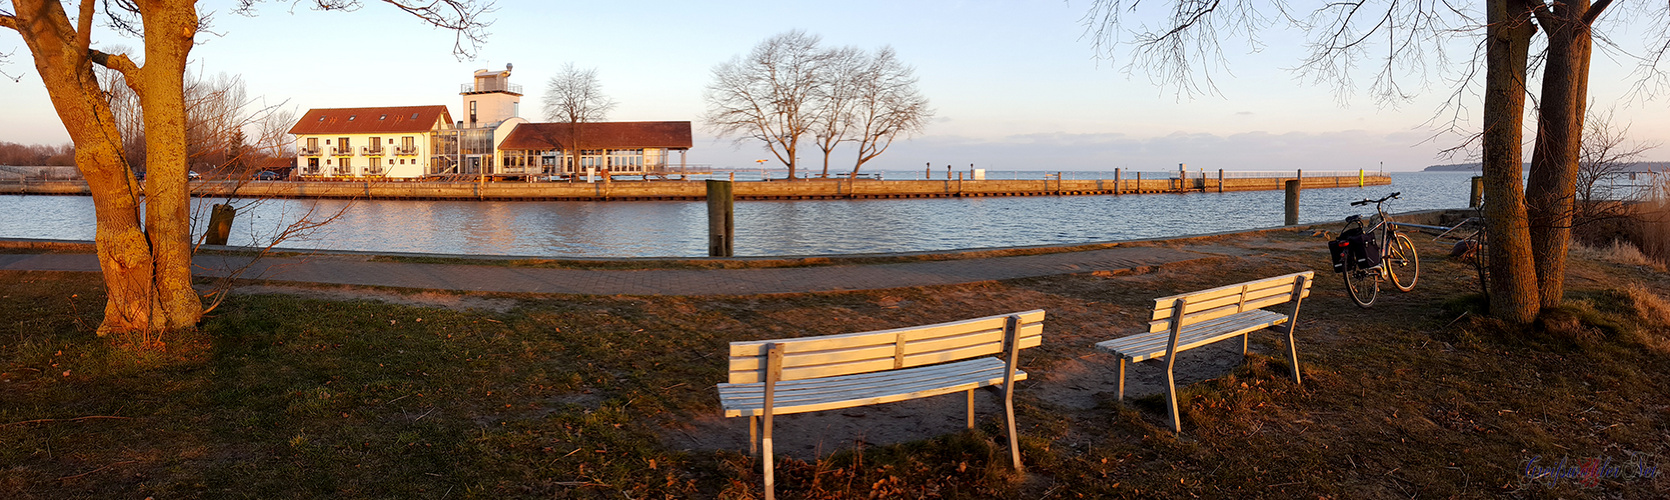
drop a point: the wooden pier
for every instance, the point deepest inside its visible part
(805, 189)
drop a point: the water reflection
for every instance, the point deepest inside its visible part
(764, 228)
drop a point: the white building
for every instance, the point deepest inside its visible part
(424, 141)
(368, 142)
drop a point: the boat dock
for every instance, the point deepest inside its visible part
(803, 189)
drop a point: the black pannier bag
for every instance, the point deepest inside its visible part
(1354, 249)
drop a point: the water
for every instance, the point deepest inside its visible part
(764, 228)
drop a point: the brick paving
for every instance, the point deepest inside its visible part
(356, 270)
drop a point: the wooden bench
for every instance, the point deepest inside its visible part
(1190, 320)
(777, 377)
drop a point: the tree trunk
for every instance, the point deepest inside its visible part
(170, 26)
(1550, 194)
(123, 249)
(1513, 287)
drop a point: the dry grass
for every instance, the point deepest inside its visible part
(1619, 252)
(581, 396)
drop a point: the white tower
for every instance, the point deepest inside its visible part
(490, 99)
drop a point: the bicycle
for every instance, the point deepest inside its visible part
(1475, 246)
(1365, 257)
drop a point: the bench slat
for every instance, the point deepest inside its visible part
(837, 392)
(745, 392)
(835, 355)
(1145, 346)
(1231, 308)
(1207, 299)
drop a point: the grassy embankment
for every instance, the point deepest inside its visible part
(581, 396)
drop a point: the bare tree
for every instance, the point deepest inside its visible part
(888, 106)
(1402, 36)
(1607, 153)
(767, 96)
(833, 99)
(575, 97)
(146, 254)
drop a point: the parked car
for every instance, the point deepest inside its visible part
(192, 175)
(266, 175)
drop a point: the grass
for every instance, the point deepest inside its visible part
(286, 396)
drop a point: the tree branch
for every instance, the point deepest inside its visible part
(8, 21)
(118, 62)
(84, 26)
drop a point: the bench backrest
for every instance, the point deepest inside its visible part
(1206, 305)
(853, 353)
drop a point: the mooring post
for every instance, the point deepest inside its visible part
(1292, 202)
(1476, 198)
(1116, 181)
(721, 226)
(220, 224)
(1220, 181)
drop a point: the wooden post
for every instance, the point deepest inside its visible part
(1116, 182)
(1292, 202)
(1476, 198)
(1220, 180)
(220, 224)
(721, 225)
(1139, 182)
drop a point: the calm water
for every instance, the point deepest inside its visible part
(764, 228)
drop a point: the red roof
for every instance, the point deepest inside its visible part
(601, 135)
(396, 119)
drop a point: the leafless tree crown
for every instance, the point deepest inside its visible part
(575, 96)
(789, 86)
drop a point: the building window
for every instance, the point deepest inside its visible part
(312, 166)
(351, 117)
(472, 112)
(376, 166)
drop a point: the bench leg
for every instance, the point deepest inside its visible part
(753, 436)
(1009, 412)
(1293, 355)
(1121, 380)
(1244, 344)
(971, 408)
(1171, 393)
(770, 465)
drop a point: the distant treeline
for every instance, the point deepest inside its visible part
(1640, 166)
(36, 155)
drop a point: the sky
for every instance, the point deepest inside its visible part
(1016, 84)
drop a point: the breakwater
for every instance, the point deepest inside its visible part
(806, 189)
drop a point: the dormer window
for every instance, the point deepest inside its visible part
(384, 117)
(321, 118)
(351, 117)
(414, 116)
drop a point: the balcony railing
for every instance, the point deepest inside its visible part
(491, 86)
(314, 151)
(342, 152)
(371, 151)
(405, 151)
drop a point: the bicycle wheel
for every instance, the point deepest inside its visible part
(1363, 285)
(1402, 262)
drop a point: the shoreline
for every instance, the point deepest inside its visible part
(685, 190)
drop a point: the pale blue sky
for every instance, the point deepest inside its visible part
(1015, 82)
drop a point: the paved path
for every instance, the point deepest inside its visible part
(356, 270)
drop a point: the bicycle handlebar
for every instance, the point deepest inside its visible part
(1365, 201)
